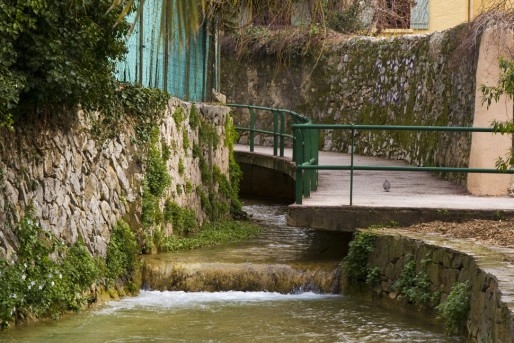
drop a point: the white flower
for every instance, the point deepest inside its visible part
(53, 283)
(23, 277)
(60, 276)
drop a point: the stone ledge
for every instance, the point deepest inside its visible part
(490, 270)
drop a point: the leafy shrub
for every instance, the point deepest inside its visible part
(356, 261)
(56, 54)
(34, 284)
(122, 252)
(454, 311)
(414, 286)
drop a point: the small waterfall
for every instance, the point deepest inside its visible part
(221, 277)
(282, 259)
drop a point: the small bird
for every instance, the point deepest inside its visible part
(386, 185)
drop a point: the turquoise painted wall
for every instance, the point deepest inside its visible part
(179, 68)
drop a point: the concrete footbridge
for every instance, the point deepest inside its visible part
(345, 191)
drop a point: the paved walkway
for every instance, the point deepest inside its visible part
(408, 189)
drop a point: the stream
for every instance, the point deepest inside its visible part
(301, 315)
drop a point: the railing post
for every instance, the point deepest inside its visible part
(315, 156)
(275, 131)
(252, 128)
(307, 174)
(352, 148)
(297, 149)
(294, 140)
(282, 132)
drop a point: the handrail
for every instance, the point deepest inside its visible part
(305, 146)
(307, 166)
(279, 126)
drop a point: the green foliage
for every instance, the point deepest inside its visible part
(374, 277)
(189, 187)
(151, 213)
(348, 20)
(208, 136)
(156, 177)
(454, 311)
(56, 54)
(178, 117)
(185, 140)
(144, 107)
(356, 262)
(211, 234)
(194, 117)
(122, 252)
(505, 86)
(414, 286)
(231, 134)
(34, 284)
(183, 220)
(181, 167)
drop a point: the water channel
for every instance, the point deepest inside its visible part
(302, 315)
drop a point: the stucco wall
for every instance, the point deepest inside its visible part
(446, 14)
(79, 186)
(487, 147)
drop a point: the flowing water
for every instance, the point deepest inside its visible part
(237, 316)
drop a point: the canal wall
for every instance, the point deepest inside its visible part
(440, 264)
(427, 80)
(79, 183)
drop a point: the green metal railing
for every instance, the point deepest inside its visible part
(306, 165)
(281, 130)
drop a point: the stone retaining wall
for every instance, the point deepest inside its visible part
(408, 80)
(447, 262)
(79, 185)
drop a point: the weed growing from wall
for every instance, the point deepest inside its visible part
(178, 117)
(182, 219)
(454, 311)
(156, 181)
(356, 262)
(222, 198)
(122, 252)
(414, 286)
(194, 118)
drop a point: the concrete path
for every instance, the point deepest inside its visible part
(408, 189)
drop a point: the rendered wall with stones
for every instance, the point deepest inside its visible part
(80, 186)
(408, 80)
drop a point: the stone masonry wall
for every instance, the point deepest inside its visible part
(79, 186)
(407, 80)
(447, 262)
